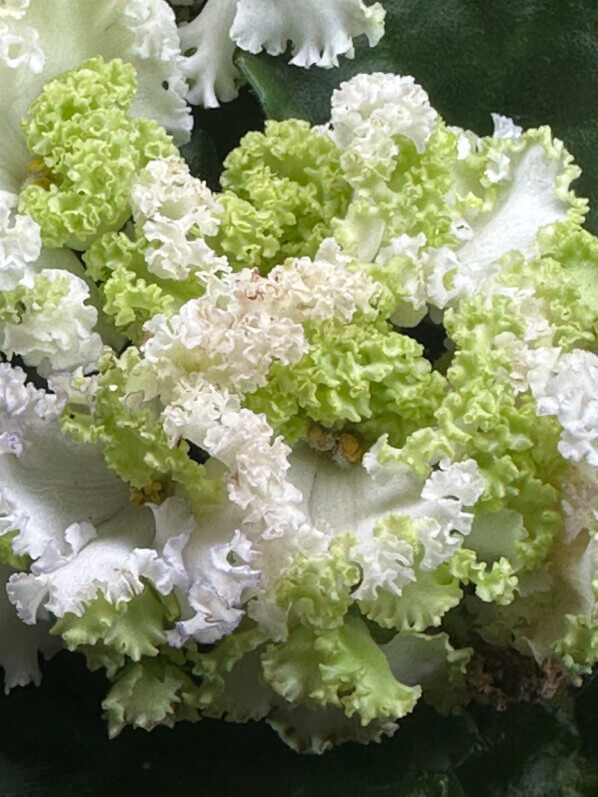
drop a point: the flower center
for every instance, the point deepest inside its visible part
(38, 174)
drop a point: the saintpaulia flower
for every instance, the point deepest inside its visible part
(297, 445)
(318, 32)
(35, 50)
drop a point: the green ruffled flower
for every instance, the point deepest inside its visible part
(231, 686)
(131, 293)
(484, 415)
(88, 152)
(576, 251)
(366, 378)
(108, 635)
(151, 692)
(578, 649)
(494, 584)
(134, 443)
(316, 591)
(432, 662)
(340, 667)
(422, 603)
(282, 190)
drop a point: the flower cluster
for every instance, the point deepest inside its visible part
(234, 473)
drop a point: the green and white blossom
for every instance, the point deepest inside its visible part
(244, 488)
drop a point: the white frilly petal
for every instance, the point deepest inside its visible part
(443, 496)
(571, 393)
(532, 195)
(354, 500)
(210, 70)
(318, 30)
(20, 45)
(20, 643)
(20, 245)
(173, 209)
(56, 335)
(505, 127)
(244, 322)
(194, 560)
(63, 580)
(368, 111)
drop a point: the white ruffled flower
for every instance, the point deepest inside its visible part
(173, 209)
(369, 111)
(20, 245)
(56, 335)
(319, 32)
(244, 322)
(571, 393)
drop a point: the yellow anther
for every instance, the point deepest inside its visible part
(320, 439)
(153, 493)
(36, 165)
(38, 174)
(350, 448)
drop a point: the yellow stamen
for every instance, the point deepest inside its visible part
(153, 493)
(38, 174)
(350, 448)
(320, 439)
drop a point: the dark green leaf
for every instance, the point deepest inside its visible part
(217, 131)
(529, 751)
(53, 743)
(202, 157)
(432, 784)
